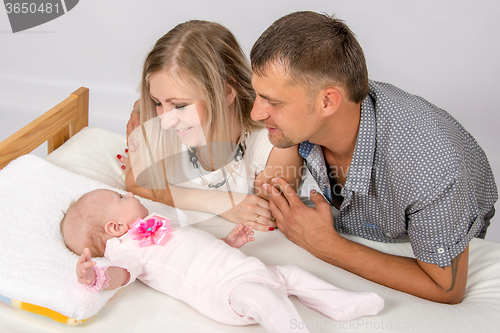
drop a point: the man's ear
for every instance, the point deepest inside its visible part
(230, 94)
(115, 229)
(330, 99)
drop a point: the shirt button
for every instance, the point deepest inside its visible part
(440, 250)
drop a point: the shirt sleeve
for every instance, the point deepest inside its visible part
(447, 219)
(122, 256)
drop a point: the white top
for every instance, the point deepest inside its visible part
(242, 179)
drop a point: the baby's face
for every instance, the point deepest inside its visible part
(100, 207)
(121, 208)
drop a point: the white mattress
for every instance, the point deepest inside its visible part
(137, 308)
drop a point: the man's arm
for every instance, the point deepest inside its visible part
(312, 229)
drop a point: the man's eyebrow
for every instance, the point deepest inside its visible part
(269, 99)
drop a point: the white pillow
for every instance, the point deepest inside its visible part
(36, 266)
(92, 153)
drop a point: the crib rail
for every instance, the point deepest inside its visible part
(54, 126)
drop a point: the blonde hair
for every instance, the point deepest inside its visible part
(208, 57)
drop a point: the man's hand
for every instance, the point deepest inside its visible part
(308, 227)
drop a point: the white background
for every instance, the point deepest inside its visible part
(446, 51)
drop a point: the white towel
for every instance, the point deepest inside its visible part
(35, 265)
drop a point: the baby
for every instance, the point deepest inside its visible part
(209, 274)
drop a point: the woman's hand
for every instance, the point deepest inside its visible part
(85, 268)
(132, 124)
(131, 185)
(249, 210)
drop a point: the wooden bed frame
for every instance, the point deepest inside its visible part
(55, 126)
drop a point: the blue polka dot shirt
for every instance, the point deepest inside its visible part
(416, 175)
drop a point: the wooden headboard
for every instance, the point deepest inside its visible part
(54, 126)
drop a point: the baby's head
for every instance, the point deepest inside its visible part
(98, 216)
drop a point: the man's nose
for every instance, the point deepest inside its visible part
(258, 110)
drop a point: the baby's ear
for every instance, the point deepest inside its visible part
(115, 229)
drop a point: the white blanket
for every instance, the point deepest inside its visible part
(138, 308)
(36, 266)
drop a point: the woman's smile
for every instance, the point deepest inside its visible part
(184, 131)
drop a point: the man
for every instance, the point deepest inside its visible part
(397, 167)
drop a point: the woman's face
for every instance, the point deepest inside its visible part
(178, 106)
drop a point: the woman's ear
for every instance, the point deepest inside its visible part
(330, 99)
(230, 94)
(115, 229)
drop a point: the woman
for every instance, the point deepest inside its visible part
(196, 131)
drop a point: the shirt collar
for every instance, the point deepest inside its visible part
(313, 154)
(305, 148)
(358, 178)
(360, 170)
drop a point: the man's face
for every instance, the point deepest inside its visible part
(284, 107)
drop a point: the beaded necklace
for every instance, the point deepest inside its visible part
(235, 163)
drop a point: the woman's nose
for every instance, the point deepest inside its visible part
(168, 119)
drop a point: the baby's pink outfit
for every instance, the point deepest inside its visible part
(226, 285)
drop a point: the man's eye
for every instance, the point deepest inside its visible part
(274, 103)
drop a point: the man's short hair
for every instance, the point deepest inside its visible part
(316, 50)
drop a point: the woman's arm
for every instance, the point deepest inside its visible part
(234, 207)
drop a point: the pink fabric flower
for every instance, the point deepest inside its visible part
(151, 231)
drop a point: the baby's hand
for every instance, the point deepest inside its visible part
(239, 236)
(85, 268)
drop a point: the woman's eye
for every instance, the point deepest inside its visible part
(180, 106)
(157, 104)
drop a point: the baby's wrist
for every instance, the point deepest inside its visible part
(101, 280)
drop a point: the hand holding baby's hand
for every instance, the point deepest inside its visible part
(240, 235)
(85, 268)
